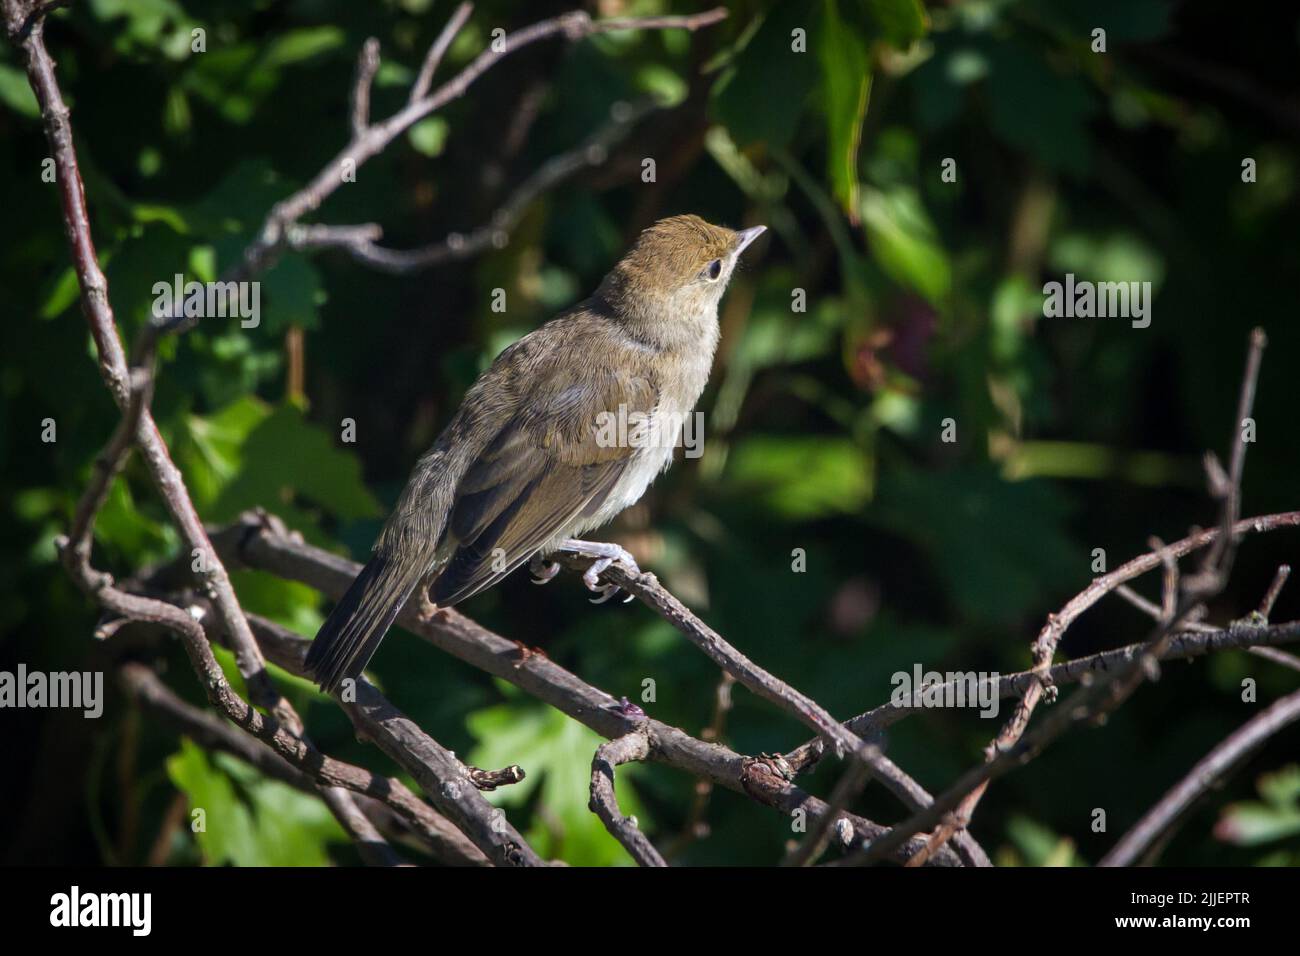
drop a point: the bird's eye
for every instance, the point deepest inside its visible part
(713, 270)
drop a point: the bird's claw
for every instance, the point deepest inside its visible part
(543, 570)
(607, 556)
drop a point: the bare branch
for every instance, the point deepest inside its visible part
(696, 826)
(1006, 749)
(132, 390)
(1277, 657)
(496, 232)
(1273, 592)
(213, 733)
(621, 750)
(256, 542)
(444, 779)
(1185, 646)
(648, 590)
(1212, 768)
(22, 24)
(273, 237)
(420, 88)
(367, 67)
(846, 790)
(1217, 562)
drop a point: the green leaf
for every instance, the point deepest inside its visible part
(248, 819)
(16, 92)
(239, 200)
(1253, 823)
(121, 523)
(666, 85)
(283, 455)
(63, 293)
(776, 336)
(556, 753)
(291, 294)
(905, 243)
(149, 23)
(846, 80)
(802, 477)
(1039, 846)
(1036, 109)
(210, 449)
(899, 22)
(298, 45)
(248, 455)
(999, 547)
(153, 253)
(429, 136)
(761, 96)
(1281, 789)
(222, 825)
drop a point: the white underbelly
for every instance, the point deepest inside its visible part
(646, 464)
(657, 445)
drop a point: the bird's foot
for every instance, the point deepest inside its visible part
(427, 610)
(542, 570)
(604, 555)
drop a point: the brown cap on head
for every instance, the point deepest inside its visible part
(677, 251)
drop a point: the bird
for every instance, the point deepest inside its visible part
(528, 462)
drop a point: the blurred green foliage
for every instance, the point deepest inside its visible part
(829, 120)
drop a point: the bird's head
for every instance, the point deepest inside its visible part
(675, 273)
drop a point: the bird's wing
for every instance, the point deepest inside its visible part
(548, 465)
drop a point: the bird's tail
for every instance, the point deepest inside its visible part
(352, 632)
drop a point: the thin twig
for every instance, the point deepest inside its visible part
(420, 88)
(367, 67)
(213, 733)
(1274, 591)
(1277, 657)
(952, 811)
(377, 136)
(256, 540)
(496, 231)
(1185, 646)
(646, 587)
(131, 389)
(604, 803)
(696, 826)
(849, 785)
(649, 591)
(1212, 768)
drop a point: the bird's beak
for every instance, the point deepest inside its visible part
(746, 236)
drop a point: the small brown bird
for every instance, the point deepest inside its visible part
(529, 462)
